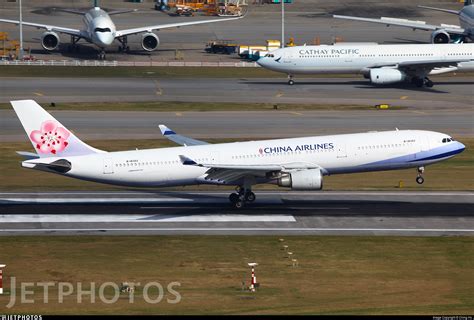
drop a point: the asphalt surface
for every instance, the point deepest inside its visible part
(448, 91)
(304, 20)
(98, 125)
(319, 213)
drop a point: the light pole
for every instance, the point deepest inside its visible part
(282, 23)
(21, 34)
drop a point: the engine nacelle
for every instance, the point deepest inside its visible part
(150, 41)
(386, 76)
(311, 179)
(50, 40)
(440, 36)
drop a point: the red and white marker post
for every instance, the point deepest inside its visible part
(253, 281)
(1, 277)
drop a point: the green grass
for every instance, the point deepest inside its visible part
(135, 72)
(153, 72)
(336, 275)
(453, 174)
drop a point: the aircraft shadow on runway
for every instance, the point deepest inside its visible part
(358, 84)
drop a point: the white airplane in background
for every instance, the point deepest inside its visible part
(382, 64)
(298, 163)
(100, 30)
(443, 33)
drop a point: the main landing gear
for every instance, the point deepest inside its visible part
(420, 82)
(290, 80)
(73, 47)
(124, 44)
(243, 196)
(419, 177)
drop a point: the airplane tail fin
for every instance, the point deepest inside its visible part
(47, 135)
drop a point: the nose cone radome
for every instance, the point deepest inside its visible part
(105, 38)
(262, 61)
(460, 147)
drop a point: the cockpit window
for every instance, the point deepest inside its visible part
(269, 55)
(446, 140)
(101, 30)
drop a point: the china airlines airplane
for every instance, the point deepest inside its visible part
(298, 163)
(382, 64)
(100, 30)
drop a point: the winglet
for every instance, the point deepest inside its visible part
(187, 161)
(165, 130)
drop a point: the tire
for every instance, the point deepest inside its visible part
(233, 198)
(420, 180)
(291, 82)
(239, 204)
(418, 82)
(250, 197)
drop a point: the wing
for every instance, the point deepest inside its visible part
(420, 25)
(127, 32)
(74, 32)
(232, 173)
(179, 139)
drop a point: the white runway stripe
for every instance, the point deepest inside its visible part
(36, 218)
(93, 200)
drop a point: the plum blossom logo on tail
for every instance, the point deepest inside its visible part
(50, 138)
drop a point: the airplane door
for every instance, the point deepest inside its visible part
(341, 150)
(108, 166)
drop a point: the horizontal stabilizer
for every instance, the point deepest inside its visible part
(179, 139)
(28, 155)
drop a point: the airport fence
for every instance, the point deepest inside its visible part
(97, 63)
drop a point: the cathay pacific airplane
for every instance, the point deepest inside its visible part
(298, 163)
(100, 30)
(442, 33)
(382, 64)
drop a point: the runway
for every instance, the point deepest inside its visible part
(274, 213)
(449, 92)
(96, 125)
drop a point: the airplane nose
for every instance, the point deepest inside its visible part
(105, 37)
(261, 61)
(460, 146)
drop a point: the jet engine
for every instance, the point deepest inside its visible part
(311, 179)
(50, 40)
(386, 76)
(440, 36)
(150, 41)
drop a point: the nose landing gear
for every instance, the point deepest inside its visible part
(243, 196)
(419, 177)
(290, 80)
(101, 55)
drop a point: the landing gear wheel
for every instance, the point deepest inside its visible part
(101, 55)
(250, 196)
(418, 82)
(420, 180)
(291, 82)
(428, 83)
(239, 204)
(233, 198)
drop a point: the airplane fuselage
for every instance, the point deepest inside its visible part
(336, 154)
(99, 27)
(359, 58)
(466, 19)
